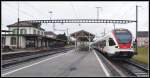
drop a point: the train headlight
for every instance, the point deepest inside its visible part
(116, 46)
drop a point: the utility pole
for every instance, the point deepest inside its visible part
(104, 32)
(51, 18)
(136, 27)
(114, 25)
(76, 42)
(98, 12)
(50, 14)
(89, 41)
(18, 28)
(67, 36)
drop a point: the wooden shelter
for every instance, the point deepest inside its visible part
(83, 39)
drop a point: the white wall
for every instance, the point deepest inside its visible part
(7, 40)
(22, 42)
(28, 29)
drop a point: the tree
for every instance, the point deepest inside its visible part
(62, 37)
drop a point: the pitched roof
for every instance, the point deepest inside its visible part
(142, 34)
(82, 35)
(26, 24)
(49, 33)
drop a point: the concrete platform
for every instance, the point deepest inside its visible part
(70, 64)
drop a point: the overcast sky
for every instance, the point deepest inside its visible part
(30, 10)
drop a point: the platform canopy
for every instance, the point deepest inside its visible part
(5, 31)
(83, 35)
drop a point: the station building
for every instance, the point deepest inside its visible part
(31, 35)
(142, 38)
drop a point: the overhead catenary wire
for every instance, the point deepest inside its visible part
(75, 12)
(35, 9)
(78, 24)
(15, 8)
(128, 10)
(122, 15)
(12, 11)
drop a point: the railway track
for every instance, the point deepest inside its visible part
(12, 61)
(127, 67)
(131, 68)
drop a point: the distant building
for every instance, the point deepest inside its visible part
(142, 38)
(50, 34)
(31, 35)
(83, 39)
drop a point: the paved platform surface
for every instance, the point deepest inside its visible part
(28, 50)
(69, 64)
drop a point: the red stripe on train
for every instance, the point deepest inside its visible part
(128, 45)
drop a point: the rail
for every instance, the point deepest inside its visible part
(131, 68)
(6, 63)
(110, 66)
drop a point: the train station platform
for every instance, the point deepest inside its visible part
(69, 64)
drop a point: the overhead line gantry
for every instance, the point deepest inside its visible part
(83, 21)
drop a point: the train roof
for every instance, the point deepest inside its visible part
(108, 35)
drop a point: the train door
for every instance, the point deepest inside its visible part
(103, 45)
(112, 45)
(107, 44)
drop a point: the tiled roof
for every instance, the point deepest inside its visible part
(27, 24)
(82, 33)
(24, 23)
(49, 33)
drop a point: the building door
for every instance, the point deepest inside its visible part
(3, 42)
(30, 43)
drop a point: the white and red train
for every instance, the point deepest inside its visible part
(118, 43)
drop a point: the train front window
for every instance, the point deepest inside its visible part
(123, 36)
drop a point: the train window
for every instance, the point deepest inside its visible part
(104, 43)
(111, 42)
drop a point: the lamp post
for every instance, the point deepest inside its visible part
(51, 18)
(18, 28)
(50, 14)
(98, 12)
(68, 38)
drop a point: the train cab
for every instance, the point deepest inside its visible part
(118, 43)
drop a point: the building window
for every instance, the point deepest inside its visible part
(102, 43)
(23, 31)
(14, 31)
(13, 40)
(41, 33)
(3, 40)
(38, 32)
(34, 31)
